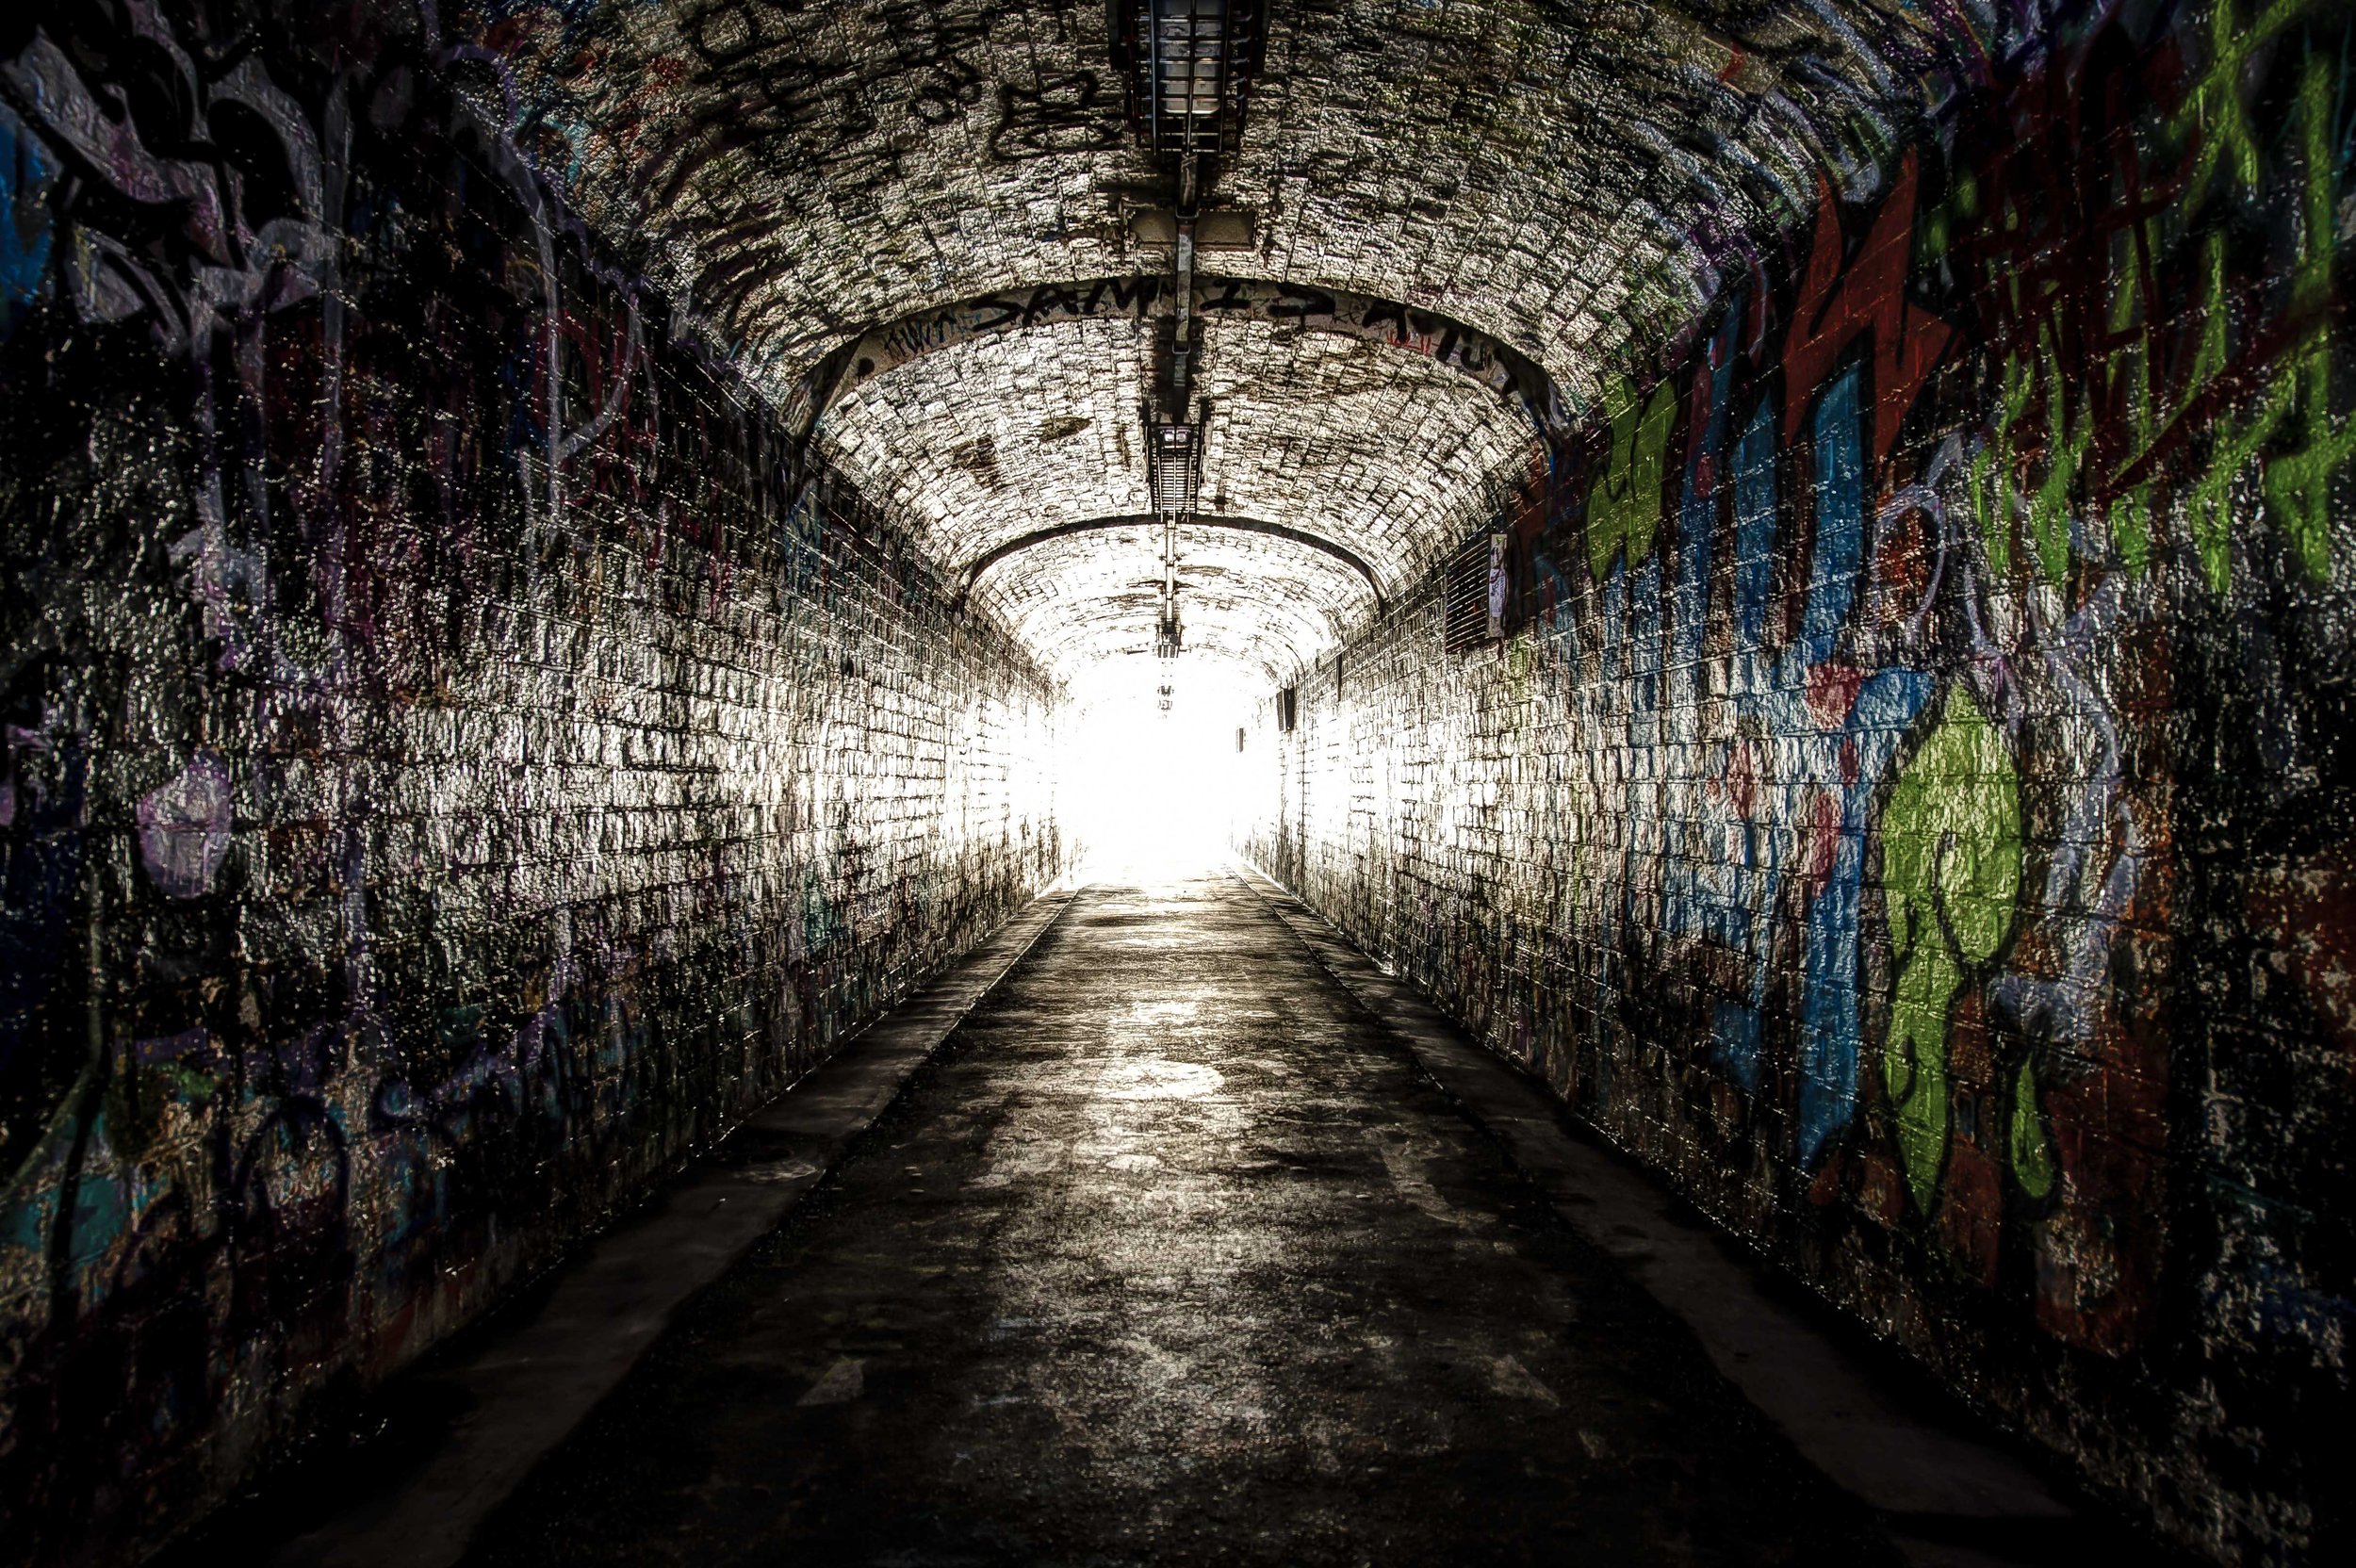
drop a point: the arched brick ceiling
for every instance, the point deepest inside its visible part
(993, 439)
(1267, 602)
(1380, 450)
(1568, 176)
(1383, 452)
(1558, 172)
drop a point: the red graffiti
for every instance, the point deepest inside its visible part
(1836, 307)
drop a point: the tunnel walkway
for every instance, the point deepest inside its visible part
(1173, 1256)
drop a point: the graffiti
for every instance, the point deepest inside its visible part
(185, 830)
(1813, 737)
(25, 174)
(1624, 503)
(1951, 864)
(1836, 304)
(1818, 835)
(428, 681)
(1069, 112)
(775, 74)
(2099, 273)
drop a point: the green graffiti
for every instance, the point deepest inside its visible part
(2032, 1151)
(2209, 504)
(2068, 438)
(2299, 485)
(2274, 449)
(1992, 466)
(1624, 507)
(2295, 403)
(2131, 514)
(2049, 507)
(1951, 865)
(2214, 117)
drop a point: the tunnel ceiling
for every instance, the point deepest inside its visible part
(1385, 453)
(1556, 183)
(1267, 602)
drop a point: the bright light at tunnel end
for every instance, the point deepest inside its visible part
(1155, 794)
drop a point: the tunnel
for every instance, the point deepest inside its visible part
(1185, 781)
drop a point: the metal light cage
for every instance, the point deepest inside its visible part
(1190, 63)
(1175, 467)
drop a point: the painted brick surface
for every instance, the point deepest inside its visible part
(459, 756)
(1911, 810)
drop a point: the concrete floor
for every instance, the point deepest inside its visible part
(1173, 1255)
(1165, 1228)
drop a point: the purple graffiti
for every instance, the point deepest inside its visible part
(184, 830)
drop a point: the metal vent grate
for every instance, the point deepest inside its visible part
(1469, 616)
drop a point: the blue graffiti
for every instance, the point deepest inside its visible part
(1736, 1025)
(25, 227)
(1789, 796)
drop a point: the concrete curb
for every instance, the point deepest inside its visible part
(537, 1378)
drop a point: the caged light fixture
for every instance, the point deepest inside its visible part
(1189, 67)
(1189, 64)
(1175, 458)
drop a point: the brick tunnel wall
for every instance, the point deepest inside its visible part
(1910, 807)
(459, 757)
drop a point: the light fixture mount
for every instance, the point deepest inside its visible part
(1175, 458)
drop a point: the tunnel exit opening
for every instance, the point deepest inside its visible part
(1154, 780)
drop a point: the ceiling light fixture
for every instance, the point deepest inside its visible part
(1175, 459)
(1189, 64)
